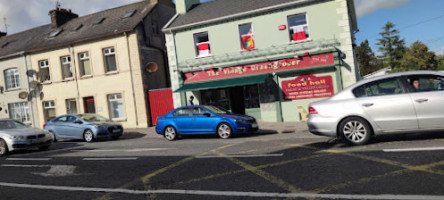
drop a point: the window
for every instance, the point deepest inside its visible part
(379, 88)
(99, 20)
(76, 28)
(197, 111)
(298, 27)
(246, 37)
(109, 56)
(66, 67)
(251, 96)
(115, 106)
(55, 33)
(49, 110)
(71, 106)
(19, 112)
(12, 80)
(44, 71)
(129, 14)
(182, 112)
(84, 64)
(202, 44)
(425, 83)
(216, 97)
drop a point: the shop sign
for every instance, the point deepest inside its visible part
(307, 87)
(282, 27)
(260, 68)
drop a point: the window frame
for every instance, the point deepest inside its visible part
(14, 78)
(303, 26)
(66, 60)
(46, 66)
(110, 103)
(68, 106)
(248, 34)
(109, 53)
(196, 44)
(23, 108)
(82, 56)
(51, 105)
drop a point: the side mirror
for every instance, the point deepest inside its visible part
(207, 114)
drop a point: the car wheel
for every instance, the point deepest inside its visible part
(3, 148)
(355, 131)
(88, 136)
(54, 139)
(224, 131)
(170, 133)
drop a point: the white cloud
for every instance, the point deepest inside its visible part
(439, 51)
(364, 7)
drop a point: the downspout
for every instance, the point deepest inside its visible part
(29, 91)
(131, 77)
(71, 47)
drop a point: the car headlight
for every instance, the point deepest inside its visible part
(240, 121)
(97, 126)
(17, 137)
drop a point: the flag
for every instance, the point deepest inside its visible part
(298, 33)
(204, 49)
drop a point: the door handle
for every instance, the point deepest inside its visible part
(367, 104)
(421, 100)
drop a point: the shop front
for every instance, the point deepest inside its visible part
(276, 90)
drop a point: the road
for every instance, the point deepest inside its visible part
(260, 166)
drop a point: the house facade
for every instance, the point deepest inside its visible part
(268, 59)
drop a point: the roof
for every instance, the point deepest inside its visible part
(113, 23)
(222, 9)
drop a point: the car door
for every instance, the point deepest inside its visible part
(203, 123)
(182, 119)
(59, 127)
(428, 99)
(73, 129)
(387, 104)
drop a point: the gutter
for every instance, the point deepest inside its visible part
(21, 53)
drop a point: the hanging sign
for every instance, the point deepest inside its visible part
(307, 87)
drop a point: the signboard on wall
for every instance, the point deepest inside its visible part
(260, 68)
(307, 87)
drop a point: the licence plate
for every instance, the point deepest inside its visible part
(254, 125)
(116, 130)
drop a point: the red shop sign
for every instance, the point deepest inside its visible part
(260, 68)
(308, 86)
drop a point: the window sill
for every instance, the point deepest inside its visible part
(111, 73)
(68, 79)
(203, 56)
(46, 82)
(12, 89)
(86, 76)
(300, 41)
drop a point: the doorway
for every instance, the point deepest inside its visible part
(89, 105)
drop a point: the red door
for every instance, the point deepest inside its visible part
(89, 106)
(161, 102)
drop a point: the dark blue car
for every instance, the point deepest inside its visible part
(204, 119)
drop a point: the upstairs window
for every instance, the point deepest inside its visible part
(66, 67)
(298, 27)
(84, 64)
(109, 56)
(202, 44)
(44, 71)
(246, 36)
(12, 80)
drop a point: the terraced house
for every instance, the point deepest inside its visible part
(98, 63)
(268, 59)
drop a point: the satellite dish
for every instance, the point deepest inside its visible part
(23, 95)
(151, 67)
(35, 85)
(31, 73)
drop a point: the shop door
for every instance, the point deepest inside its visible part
(161, 102)
(237, 100)
(89, 105)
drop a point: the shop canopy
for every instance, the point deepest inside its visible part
(226, 82)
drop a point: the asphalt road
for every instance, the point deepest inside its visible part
(260, 166)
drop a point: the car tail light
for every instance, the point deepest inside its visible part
(312, 111)
(44, 125)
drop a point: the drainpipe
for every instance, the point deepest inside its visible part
(74, 65)
(29, 91)
(131, 77)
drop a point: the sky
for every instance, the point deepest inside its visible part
(417, 20)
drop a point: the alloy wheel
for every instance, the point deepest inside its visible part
(355, 131)
(88, 136)
(224, 131)
(3, 148)
(170, 133)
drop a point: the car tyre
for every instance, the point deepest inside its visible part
(170, 133)
(88, 136)
(3, 148)
(54, 139)
(355, 131)
(224, 131)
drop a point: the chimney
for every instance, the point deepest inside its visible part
(2, 34)
(182, 6)
(60, 16)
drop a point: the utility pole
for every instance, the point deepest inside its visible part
(6, 25)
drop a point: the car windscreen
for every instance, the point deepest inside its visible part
(217, 110)
(10, 124)
(94, 118)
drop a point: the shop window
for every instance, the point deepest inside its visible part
(246, 36)
(12, 80)
(44, 71)
(202, 44)
(298, 27)
(109, 56)
(115, 106)
(84, 64)
(216, 97)
(71, 106)
(66, 67)
(20, 112)
(252, 96)
(49, 110)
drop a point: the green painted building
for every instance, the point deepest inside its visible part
(267, 59)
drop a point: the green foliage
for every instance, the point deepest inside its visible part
(418, 57)
(391, 46)
(367, 60)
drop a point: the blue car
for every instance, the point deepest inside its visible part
(88, 127)
(204, 119)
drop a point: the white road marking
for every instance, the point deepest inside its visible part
(225, 193)
(242, 156)
(54, 170)
(120, 150)
(414, 149)
(32, 159)
(95, 159)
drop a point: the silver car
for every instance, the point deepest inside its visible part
(399, 102)
(15, 135)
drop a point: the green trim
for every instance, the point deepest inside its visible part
(305, 69)
(278, 96)
(225, 82)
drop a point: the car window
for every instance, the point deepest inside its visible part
(379, 88)
(71, 119)
(425, 83)
(217, 110)
(61, 119)
(10, 124)
(197, 111)
(94, 118)
(181, 112)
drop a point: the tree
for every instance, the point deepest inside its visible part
(440, 59)
(367, 60)
(392, 46)
(418, 57)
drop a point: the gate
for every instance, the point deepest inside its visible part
(161, 102)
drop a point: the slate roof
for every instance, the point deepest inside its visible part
(39, 38)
